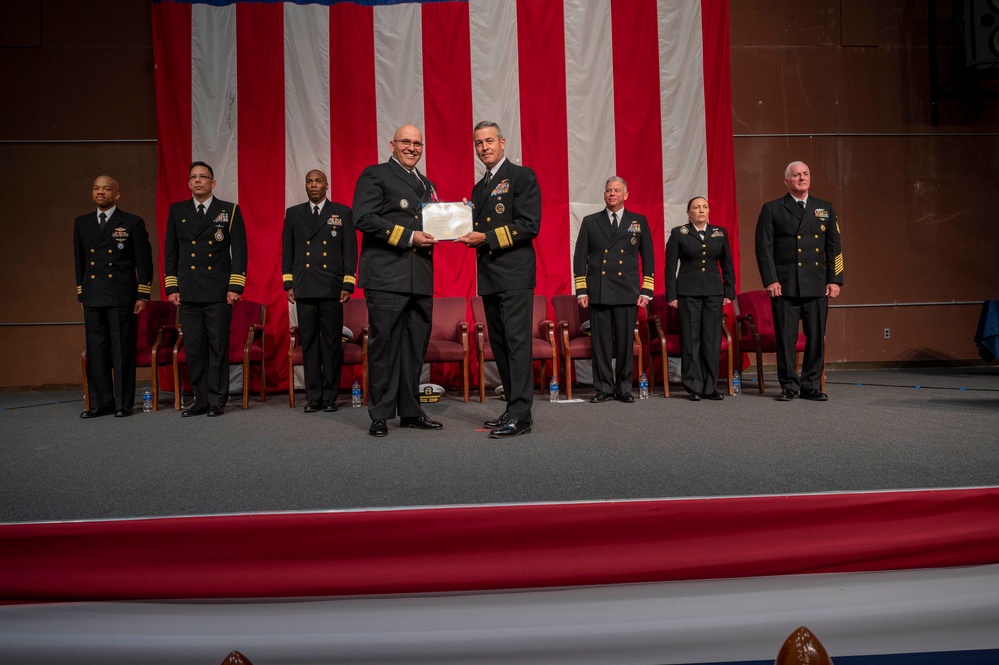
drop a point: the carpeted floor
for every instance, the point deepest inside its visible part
(886, 429)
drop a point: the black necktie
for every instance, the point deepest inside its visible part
(614, 221)
(103, 220)
(201, 213)
(419, 181)
(801, 204)
(315, 214)
(489, 176)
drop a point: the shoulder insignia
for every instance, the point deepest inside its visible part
(684, 230)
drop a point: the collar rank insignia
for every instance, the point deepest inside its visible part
(684, 230)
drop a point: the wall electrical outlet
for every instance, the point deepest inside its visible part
(887, 333)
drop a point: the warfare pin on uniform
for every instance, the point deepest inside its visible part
(500, 208)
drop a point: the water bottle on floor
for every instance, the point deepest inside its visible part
(553, 390)
(643, 387)
(736, 383)
(147, 400)
(355, 395)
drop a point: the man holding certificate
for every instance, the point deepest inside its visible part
(506, 218)
(397, 275)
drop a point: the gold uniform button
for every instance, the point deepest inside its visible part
(91, 251)
(816, 249)
(816, 236)
(91, 263)
(489, 219)
(622, 251)
(605, 260)
(193, 255)
(606, 250)
(192, 267)
(603, 272)
(703, 246)
(799, 250)
(490, 253)
(704, 269)
(306, 265)
(799, 264)
(703, 261)
(109, 251)
(194, 242)
(308, 242)
(816, 263)
(209, 256)
(324, 265)
(308, 253)
(324, 254)
(619, 274)
(704, 253)
(799, 237)
(209, 267)
(324, 242)
(209, 242)
(620, 263)
(93, 277)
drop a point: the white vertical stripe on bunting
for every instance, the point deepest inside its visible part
(214, 135)
(306, 95)
(589, 83)
(684, 135)
(399, 73)
(496, 72)
(307, 108)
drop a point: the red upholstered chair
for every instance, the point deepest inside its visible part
(246, 348)
(543, 347)
(664, 340)
(755, 321)
(156, 334)
(355, 350)
(449, 336)
(576, 344)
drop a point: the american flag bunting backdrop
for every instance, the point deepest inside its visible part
(583, 89)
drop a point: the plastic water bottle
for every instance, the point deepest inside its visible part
(643, 387)
(147, 400)
(736, 383)
(355, 395)
(553, 390)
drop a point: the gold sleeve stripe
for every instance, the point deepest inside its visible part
(170, 280)
(649, 283)
(79, 290)
(287, 278)
(503, 237)
(396, 235)
(580, 282)
(349, 279)
(237, 279)
(839, 263)
(145, 288)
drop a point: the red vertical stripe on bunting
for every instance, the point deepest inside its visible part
(353, 120)
(718, 123)
(260, 101)
(638, 117)
(541, 44)
(172, 73)
(447, 109)
(353, 115)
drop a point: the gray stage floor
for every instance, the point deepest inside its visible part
(887, 429)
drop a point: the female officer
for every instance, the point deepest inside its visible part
(704, 285)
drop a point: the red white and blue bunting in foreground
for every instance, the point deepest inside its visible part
(671, 581)
(583, 89)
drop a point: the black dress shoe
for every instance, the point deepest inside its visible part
(419, 422)
(693, 397)
(215, 411)
(715, 396)
(96, 413)
(312, 406)
(786, 395)
(815, 395)
(513, 427)
(329, 406)
(378, 428)
(195, 411)
(627, 398)
(123, 413)
(499, 422)
(600, 397)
